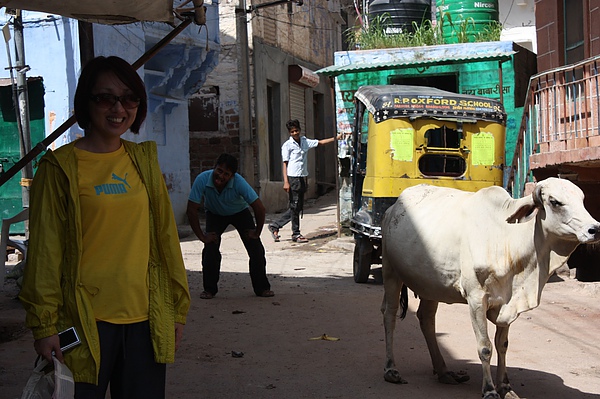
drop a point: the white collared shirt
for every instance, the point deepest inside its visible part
(295, 154)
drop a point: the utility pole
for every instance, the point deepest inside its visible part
(22, 106)
(246, 142)
(247, 157)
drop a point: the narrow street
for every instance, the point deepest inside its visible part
(553, 351)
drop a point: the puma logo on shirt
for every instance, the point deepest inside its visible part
(113, 188)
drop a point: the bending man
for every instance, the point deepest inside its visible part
(227, 198)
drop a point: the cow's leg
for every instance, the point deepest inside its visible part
(426, 314)
(389, 307)
(477, 308)
(502, 384)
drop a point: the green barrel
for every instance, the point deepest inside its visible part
(463, 21)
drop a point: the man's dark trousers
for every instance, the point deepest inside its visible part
(211, 254)
(295, 207)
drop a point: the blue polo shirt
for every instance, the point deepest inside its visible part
(235, 197)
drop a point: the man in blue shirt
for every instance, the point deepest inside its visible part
(294, 153)
(227, 198)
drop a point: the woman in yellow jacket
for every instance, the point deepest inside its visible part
(104, 254)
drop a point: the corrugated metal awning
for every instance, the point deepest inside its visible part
(335, 70)
(100, 11)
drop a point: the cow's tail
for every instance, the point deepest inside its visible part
(403, 301)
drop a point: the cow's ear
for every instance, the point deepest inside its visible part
(525, 209)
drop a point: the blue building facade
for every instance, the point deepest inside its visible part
(175, 72)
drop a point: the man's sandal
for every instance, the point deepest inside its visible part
(274, 233)
(299, 238)
(267, 294)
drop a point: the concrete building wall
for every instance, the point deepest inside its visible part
(272, 194)
(273, 38)
(306, 35)
(311, 32)
(207, 145)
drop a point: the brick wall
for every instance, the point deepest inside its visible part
(549, 27)
(205, 144)
(594, 27)
(550, 32)
(205, 148)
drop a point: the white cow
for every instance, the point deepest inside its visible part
(485, 249)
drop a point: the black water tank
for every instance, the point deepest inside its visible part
(402, 13)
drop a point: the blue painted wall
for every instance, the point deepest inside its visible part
(172, 75)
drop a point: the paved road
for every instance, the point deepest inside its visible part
(554, 350)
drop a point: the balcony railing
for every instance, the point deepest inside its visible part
(560, 118)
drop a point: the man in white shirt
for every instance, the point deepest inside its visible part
(294, 153)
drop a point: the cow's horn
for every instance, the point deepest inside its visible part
(537, 195)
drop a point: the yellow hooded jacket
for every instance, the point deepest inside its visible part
(52, 293)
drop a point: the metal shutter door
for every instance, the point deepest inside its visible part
(297, 104)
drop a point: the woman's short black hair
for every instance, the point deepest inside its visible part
(126, 74)
(230, 162)
(293, 123)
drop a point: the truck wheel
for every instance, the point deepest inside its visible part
(362, 259)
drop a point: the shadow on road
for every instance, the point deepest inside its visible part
(281, 360)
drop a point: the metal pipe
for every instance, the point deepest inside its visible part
(22, 106)
(273, 3)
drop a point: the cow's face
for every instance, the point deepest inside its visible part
(562, 212)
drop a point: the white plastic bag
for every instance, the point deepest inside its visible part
(50, 382)
(64, 385)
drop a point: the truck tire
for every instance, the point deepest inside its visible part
(363, 250)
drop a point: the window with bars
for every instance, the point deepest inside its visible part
(574, 36)
(439, 139)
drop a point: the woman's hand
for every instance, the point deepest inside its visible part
(45, 347)
(178, 335)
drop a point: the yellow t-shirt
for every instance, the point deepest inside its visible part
(116, 244)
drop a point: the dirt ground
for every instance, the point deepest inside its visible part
(554, 350)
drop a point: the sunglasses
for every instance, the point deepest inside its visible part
(105, 100)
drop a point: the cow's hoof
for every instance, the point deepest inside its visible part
(491, 395)
(393, 376)
(453, 378)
